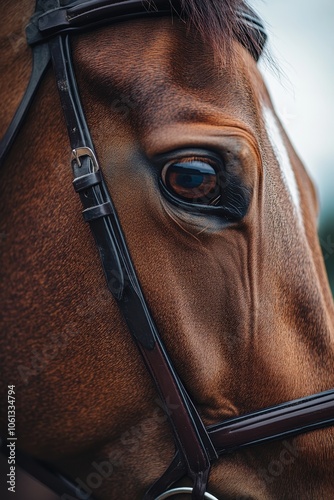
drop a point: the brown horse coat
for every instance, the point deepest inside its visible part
(244, 309)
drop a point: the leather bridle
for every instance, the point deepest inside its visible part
(197, 446)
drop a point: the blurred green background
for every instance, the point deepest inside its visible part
(326, 235)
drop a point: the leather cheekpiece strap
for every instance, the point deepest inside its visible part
(98, 211)
(41, 60)
(191, 437)
(86, 181)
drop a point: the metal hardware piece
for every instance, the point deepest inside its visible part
(186, 490)
(84, 151)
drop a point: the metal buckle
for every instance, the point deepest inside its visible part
(175, 491)
(84, 151)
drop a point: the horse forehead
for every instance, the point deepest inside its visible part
(126, 50)
(148, 57)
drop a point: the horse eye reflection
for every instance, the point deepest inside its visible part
(192, 180)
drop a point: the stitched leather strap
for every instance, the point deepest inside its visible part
(95, 13)
(263, 426)
(278, 422)
(41, 59)
(191, 437)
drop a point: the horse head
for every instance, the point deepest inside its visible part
(219, 217)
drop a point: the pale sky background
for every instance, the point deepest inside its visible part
(301, 38)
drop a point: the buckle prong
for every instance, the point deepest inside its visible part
(84, 151)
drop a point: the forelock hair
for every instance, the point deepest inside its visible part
(218, 22)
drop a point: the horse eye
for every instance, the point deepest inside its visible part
(194, 180)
